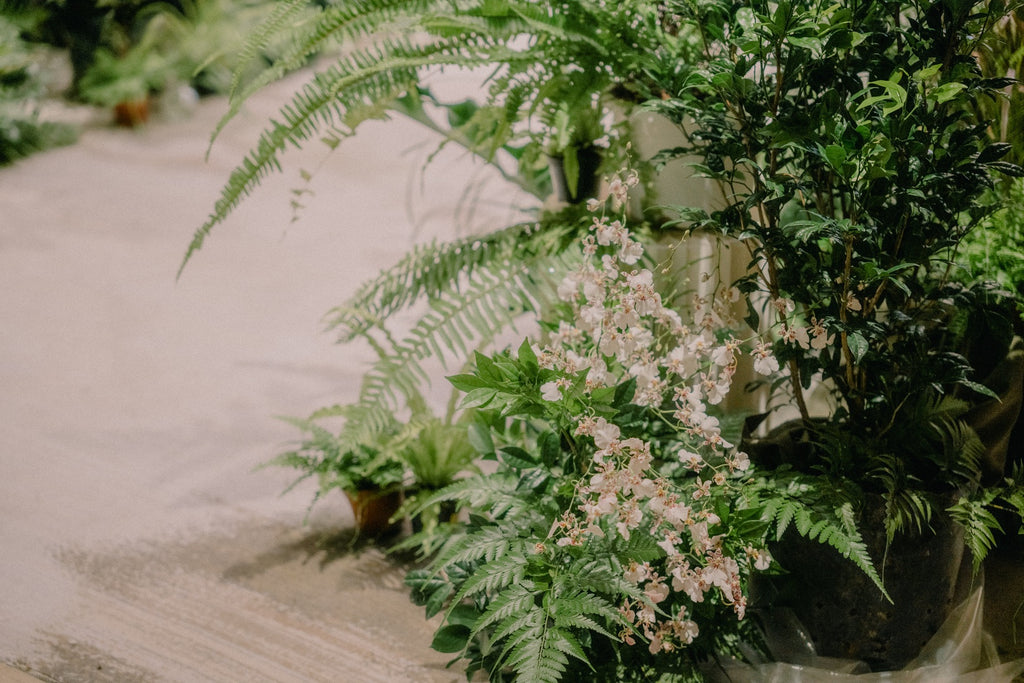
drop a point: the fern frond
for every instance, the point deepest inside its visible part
(478, 492)
(838, 528)
(493, 577)
(599, 577)
(566, 643)
(906, 509)
(489, 545)
(432, 269)
(527, 623)
(512, 603)
(332, 25)
(373, 76)
(283, 14)
(572, 610)
(530, 651)
(491, 301)
(535, 659)
(979, 524)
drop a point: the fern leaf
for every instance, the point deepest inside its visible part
(488, 304)
(837, 529)
(566, 643)
(515, 601)
(493, 577)
(572, 611)
(279, 18)
(372, 76)
(489, 544)
(979, 526)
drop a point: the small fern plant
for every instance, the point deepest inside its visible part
(617, 533)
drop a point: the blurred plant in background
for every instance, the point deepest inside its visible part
(22, 89)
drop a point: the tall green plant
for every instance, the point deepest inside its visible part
(854, 167)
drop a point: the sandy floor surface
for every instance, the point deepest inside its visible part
(137, 543)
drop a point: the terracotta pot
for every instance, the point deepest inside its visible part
(373, 509)
(132, 113)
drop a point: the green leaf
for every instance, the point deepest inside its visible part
(480, 438)
(527, 357)
(517, 458)
(477, 398)
(467, 382)
(979, 388)
(836, 156)
(858, 346)
(451, 638)
(946, 92)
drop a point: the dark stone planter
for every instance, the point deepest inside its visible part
(844, 613)
(587, 184)
(373, 510)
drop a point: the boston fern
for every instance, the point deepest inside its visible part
(549, 70)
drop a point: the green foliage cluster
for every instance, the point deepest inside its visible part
(995, 251)
(550, 68)
(22, 131)
(854, 167)
(135, 48)
(521, 607)
(856, 172)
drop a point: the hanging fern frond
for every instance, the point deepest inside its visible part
(540, 61)
(830, 521)
(283, 14)
(463, 310)
(428, 271)
(372, 76)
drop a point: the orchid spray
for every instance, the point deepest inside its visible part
(622, 331)
(615, 537)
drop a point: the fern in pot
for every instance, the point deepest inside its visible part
(364, 469)
(854, 166)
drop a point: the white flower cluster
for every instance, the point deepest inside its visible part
(621, 330)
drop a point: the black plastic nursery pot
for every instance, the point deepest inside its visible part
(587, 184)
(845, 614)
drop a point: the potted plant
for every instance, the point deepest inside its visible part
(854, 169)
(124, 84)
(553, 73)
(367, 473)
(436, 454)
